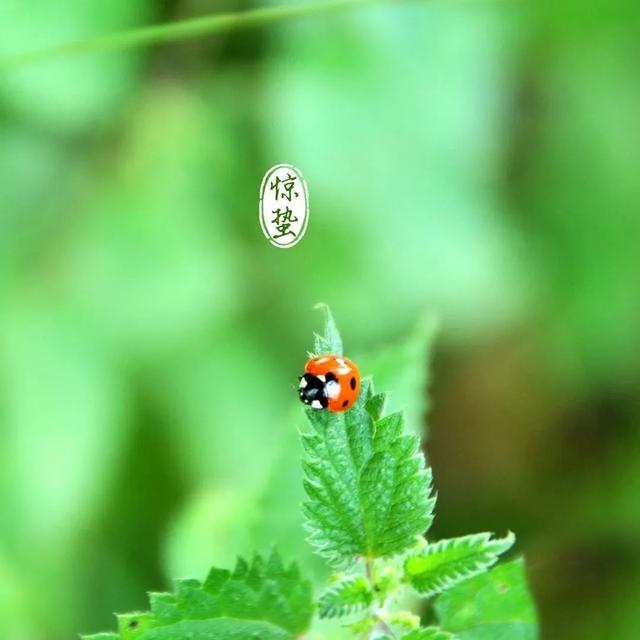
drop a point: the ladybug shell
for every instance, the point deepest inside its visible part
(342, 378)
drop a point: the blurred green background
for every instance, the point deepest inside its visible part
(477, 161)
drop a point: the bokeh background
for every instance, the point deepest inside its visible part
(472, 162)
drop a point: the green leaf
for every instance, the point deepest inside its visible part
(330, 342)
(101, 636)
(428, 633)
(220, 629)
(367, 485)
(404, 367)
(492, 606)
(376, 405)
(259, 600)
(446, 563)
(345, 597)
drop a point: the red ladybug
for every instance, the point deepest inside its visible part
(329, 382)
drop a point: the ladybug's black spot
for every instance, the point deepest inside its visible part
(314, 390)
(330, 377)
(345, 403)
(352, 382)
(133, 624)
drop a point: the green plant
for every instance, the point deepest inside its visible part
(181, 30)
(369, 504)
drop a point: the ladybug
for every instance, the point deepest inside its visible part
(329, 382)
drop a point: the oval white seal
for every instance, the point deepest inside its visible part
(284, 205)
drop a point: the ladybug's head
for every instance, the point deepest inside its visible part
(313, 391)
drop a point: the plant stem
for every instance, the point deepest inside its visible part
(182, 30)
(386, 628)
(369, 568)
